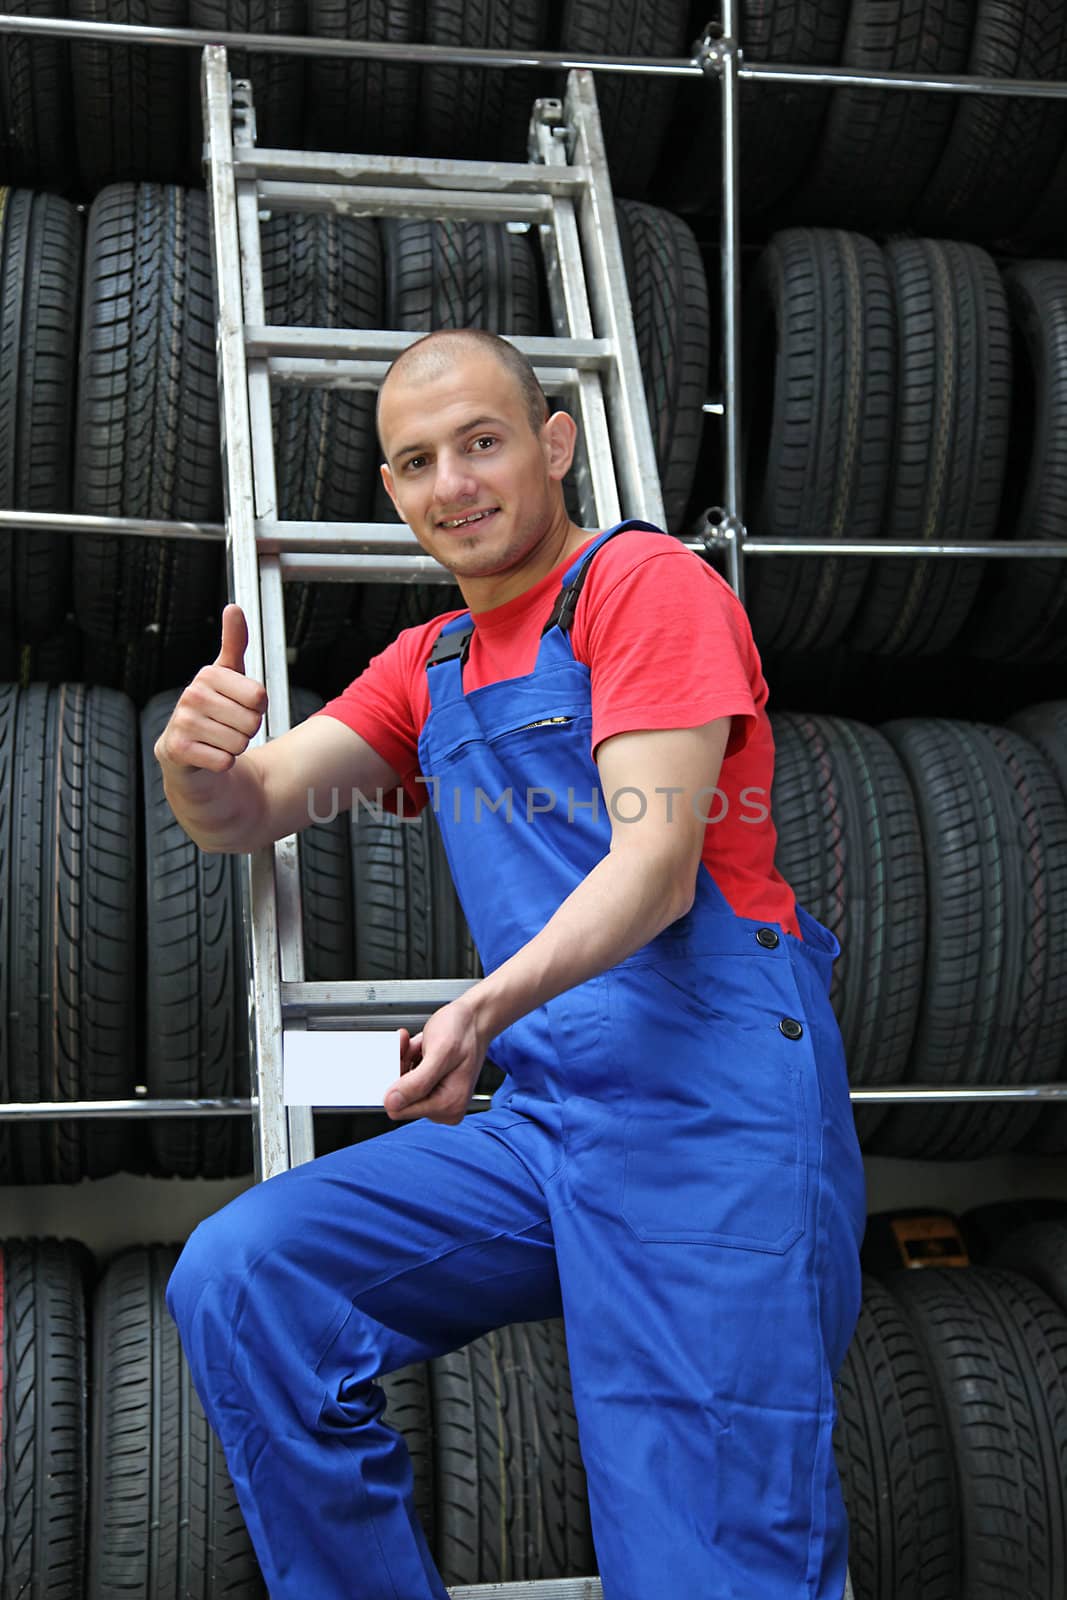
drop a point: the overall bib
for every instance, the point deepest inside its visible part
(671, 1163)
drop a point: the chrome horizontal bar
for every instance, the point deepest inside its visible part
(923, 1092)
(373, 344)
(139, 527)
(1004, 549)
(378, 200)
(531, 1589)
(417, 172)
(56, 1110)
(317, 372)
(101, 1110)
(298, 44)
(843, 77)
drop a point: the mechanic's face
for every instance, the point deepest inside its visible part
(465, 470)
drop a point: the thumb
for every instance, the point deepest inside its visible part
(234, 639)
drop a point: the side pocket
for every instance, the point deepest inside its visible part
(687, 1182)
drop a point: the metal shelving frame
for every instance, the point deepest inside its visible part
(717, 54)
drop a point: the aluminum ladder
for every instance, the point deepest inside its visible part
(565, 193)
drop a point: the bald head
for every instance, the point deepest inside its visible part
(438, 353)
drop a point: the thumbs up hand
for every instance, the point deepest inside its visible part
(219, 713)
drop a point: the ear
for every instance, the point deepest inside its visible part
(387, 479)
(558, 436)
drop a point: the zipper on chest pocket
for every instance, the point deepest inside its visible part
(543, 722)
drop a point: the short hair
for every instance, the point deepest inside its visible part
(436, 352)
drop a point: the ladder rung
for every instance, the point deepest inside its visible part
(337, 538)
(314, 373)
(329, 568)
(371, 200)
(337, 167)
(393, 998)
(368, 344)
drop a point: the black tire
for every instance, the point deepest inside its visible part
(998, 1349)
(849, 846)
(819, 357)
(987, 1227)
(1039, 1252)
(1045, 725)
(364, 105)
(43, 1418)
(9, 701)
(147, 437)
(196, 1041)
(669, 297)
(40, 284)
(1021, 614)
(131, 103)
(72, 930)
(634, 112)
(877, 150)
(1001, 150)
(994, 1004)
(409, 922)
(511, 1494)
(779, 122)
(327, 910)
(277, 81)
(196, 1033)
(950, 447)
(164, 1519)
(36, 147)
(409, 1409)
(322, 272)
(895, 1461)
(1045, 229)
(466, 111)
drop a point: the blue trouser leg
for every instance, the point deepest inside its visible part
(296, 1296)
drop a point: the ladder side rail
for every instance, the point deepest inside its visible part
(288, 906)
(270, 1141)
(594, 469)
(624, 388)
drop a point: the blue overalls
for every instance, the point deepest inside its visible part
(671, 1164)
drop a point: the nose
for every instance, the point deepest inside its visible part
(454, 481)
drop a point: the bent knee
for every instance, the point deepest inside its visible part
(216, 1258)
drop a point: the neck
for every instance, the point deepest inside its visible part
(560, 540)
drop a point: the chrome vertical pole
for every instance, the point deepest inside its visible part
(723, 56)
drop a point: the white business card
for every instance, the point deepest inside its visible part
(338, 1066)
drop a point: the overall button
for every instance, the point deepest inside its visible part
(791, 1028)
(766, 937)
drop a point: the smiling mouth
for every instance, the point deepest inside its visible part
(454, 524)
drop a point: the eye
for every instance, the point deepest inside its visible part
(485, 438)
(412, 461)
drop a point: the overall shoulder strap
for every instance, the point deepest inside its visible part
(571, 587)
(453, 640)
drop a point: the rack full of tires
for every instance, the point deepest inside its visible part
(902, 351)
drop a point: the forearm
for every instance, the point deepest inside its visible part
(623, 903)
(220, 811)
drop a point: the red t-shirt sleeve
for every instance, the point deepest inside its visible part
(667, 643)
(377, 705)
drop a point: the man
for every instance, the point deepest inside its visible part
(671, 1161)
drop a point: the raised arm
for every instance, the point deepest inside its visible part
(230, 798)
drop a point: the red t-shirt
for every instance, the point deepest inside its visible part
(668, 645)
